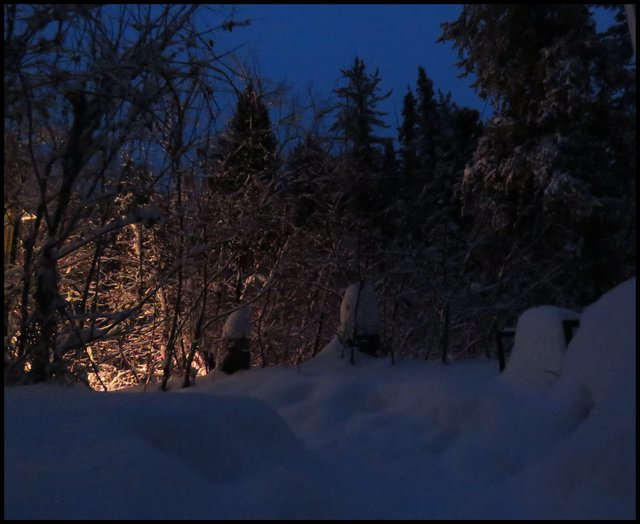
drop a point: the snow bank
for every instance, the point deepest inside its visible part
(601, 358)
(327, 440)
(598, 383)
(589, 469)
(539, 347)
(80, 455)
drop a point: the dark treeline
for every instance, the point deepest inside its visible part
(136, 227)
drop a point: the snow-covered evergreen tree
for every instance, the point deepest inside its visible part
(554, 168)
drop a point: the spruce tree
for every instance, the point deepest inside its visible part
(458, 130)
(427, 123)
(357, 114)
(407, 136)
(437, 138)
(307, 170)
(545, 189)
(249, 145)
(244, 175)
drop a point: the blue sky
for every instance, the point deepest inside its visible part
(308, 45)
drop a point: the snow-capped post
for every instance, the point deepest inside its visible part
(359, 319)
(235, 353)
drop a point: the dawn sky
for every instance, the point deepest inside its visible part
(308, 45)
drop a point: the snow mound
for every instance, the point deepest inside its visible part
(539, 347)
(602, 356)
(119, 455)
(598, 380)
(591, 472)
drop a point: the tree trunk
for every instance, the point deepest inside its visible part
(44, 317)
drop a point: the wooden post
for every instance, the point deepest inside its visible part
(500, 348)
(316, 341)
(445, 332)
(507, 332)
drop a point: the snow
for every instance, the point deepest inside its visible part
(539, 346)
(358, 311)
(238, 324)
(330, 440)
(78, 337)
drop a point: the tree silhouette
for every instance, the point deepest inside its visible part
(249, 146)
(357, 114)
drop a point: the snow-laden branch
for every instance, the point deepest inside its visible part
(79, 338)
(146, 216)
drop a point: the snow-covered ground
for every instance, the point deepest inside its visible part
(330, 440)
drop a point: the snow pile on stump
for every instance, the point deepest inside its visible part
(539, 347)
(359, 318)
(235, 352)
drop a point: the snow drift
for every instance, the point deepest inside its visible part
(539, 346)
(331, 440)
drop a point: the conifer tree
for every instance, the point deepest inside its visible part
(541, 186)
(427, 123)
(249, 146)
(357, 114)
(407, 136)
(245, 175)
(307, 169)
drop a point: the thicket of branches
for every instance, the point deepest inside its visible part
(135, 224)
